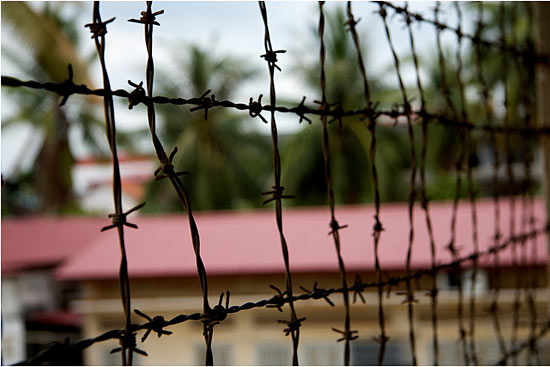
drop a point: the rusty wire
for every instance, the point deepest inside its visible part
(423, 196)
(409, 294)
(127, 338)
(468, 152)
(382, 339)
(301, 110)
(495, 186)
(56, 352)
(458, 182)
(527, 78)
(512, 181)
(270, 56)
(166, 170)
(528, 217)
(523, 54)
(347, 334)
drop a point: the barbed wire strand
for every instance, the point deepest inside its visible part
(529, 102)
(410, 299)
(293, 326)
(458, 183)
(382, 339)
(423, 196)
(166, 170)
(301, 110)
(524, 54)
(127, 338)
(347, 334)
(525, 76)
(494, 180)
(512, 181)
(468, 148)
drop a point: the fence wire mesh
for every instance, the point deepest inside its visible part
(518, 54)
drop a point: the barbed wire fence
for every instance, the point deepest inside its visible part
(523, 54)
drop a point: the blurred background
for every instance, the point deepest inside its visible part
(217, 46)
(56, 160)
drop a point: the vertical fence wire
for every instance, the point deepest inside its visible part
(497, 234)
(458, 183)
(423, 195)
(382, 339)
(468, 149)
(525, 76)
(166, 170)
(347, 334)
(128, 339)
(270, 56)
(512, 182)
(409, 294)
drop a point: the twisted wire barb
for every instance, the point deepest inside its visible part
(347, 334)
(127, 338)
(166, 170)
(382, 339)
(270, 56)
(410, 299)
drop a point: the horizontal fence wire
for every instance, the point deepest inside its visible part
(68, 88)
(517, 240)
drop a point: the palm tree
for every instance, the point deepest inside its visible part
(51, 41)
(303, 166)
(224, 159)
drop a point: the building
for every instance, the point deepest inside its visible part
(241, 252)
(35, 306)
(93, 181)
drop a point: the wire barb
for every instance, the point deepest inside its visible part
(119, 220)
(68, 83)
(255, 108)
(137, 95)
(156, 324)
(99, 29)
(128, 342)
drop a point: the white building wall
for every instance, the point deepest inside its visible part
(13, 326)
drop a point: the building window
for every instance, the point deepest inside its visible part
(321, 354)
(222, 354)
(274, 354)
(365, 353)
(450, 280)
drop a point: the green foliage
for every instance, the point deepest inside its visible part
(227, 163)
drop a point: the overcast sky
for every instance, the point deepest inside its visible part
(229, 28)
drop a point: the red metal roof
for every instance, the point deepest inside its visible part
(35, 242)
(248, 242)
